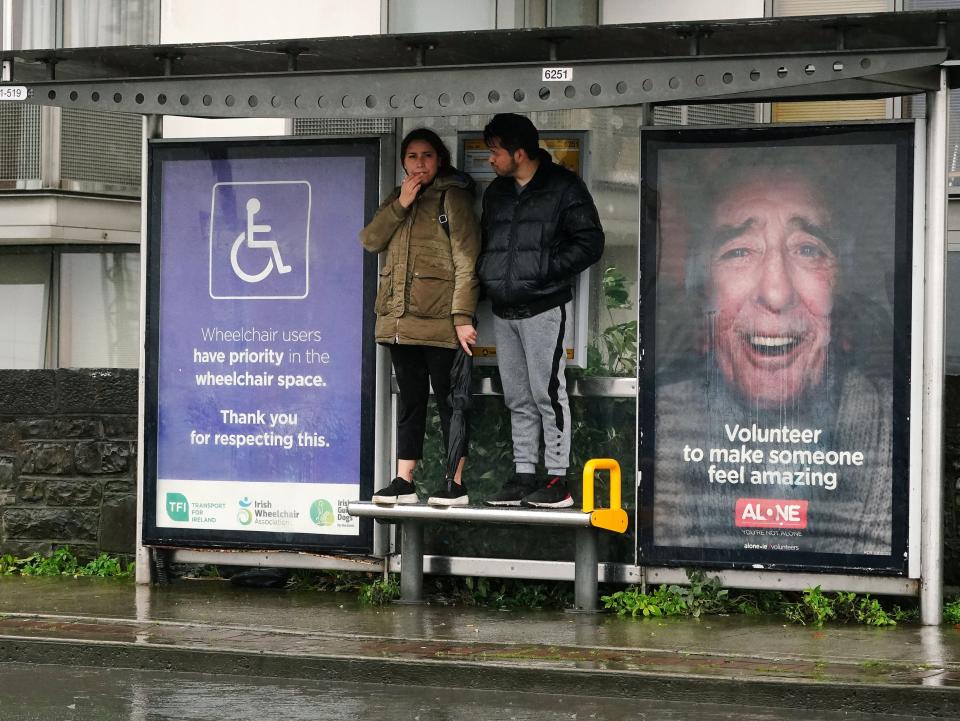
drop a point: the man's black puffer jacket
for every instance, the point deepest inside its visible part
(537, 241)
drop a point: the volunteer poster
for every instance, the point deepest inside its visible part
(260, 359)
(775, 383)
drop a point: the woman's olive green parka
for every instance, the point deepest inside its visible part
(427, 283)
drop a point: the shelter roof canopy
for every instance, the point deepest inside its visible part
(877, 31)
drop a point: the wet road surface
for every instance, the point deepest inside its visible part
(67, 693)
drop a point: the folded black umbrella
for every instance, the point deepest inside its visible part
(460, 399)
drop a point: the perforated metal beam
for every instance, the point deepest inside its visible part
(875, 86)
(470, 90)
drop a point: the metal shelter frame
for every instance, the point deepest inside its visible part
(467, 73)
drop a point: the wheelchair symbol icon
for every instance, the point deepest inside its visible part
(247, 239)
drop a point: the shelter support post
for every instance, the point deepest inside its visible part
(585, 574)
(411, 570)
(152, 128)
(931, 555)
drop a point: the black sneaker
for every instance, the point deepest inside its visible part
(399, 491)
(552, 495)
(513, 491)
(453, 494)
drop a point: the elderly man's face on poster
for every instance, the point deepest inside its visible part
(772, 279)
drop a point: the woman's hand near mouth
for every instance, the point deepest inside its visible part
(409, 189)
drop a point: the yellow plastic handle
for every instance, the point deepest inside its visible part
(613, 518)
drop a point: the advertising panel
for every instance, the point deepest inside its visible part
(776, 330)
(260, 359)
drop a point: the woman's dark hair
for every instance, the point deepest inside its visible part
(445, 167)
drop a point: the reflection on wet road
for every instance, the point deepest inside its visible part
(62, 693)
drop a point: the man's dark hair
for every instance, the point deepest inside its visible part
(445, 167)
(513, 132)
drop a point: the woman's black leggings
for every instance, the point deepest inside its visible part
(417, 367)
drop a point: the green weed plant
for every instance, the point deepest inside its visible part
(705, 596)
(325, 581)
(951, 612)
(503, 593)
(816, 608)
(62, 562)
(379, 592)
(664, 601)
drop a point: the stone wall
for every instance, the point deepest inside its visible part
(68, 464)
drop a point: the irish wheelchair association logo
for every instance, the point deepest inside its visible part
(244, 515)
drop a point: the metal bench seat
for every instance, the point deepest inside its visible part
(587, 521)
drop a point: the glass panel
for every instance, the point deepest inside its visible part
(953, 319)
(931, 4)
(24, 301)
(93, 23)
(784, 8)
(657, 11)
(424, 16)
(564, 13)
(915, 106)
(602, 426)
(99, 310)
(34, 24)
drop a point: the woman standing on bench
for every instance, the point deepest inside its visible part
(427, 298)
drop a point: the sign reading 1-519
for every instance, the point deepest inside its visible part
(14, 92)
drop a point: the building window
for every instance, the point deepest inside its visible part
(69, 307)
(33, 24)
(564, 13)
(95, 23)
(788, 8)
(42, 24)
(426, 16)
(24, 307)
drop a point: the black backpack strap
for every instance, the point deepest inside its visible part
(444, 220)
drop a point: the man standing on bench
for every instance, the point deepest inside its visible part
(540, 230)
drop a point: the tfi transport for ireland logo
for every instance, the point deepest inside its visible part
(178, 507)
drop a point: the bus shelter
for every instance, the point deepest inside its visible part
(459, 78)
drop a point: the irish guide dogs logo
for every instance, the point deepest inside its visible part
(178, 507)
(260, 240)
(321, 512)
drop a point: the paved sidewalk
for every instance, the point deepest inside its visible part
(211, 626)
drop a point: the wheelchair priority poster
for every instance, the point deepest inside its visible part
(259, 413)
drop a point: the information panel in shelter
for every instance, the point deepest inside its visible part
(776, 371)
(260, 361)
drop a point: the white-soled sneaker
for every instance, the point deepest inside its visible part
(454, 494)
(400, 490)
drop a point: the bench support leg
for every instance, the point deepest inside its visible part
(585, 571)
(411, 562)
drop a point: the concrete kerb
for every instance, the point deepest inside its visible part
(926, 701)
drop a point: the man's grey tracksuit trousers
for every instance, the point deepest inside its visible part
(532, 360)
